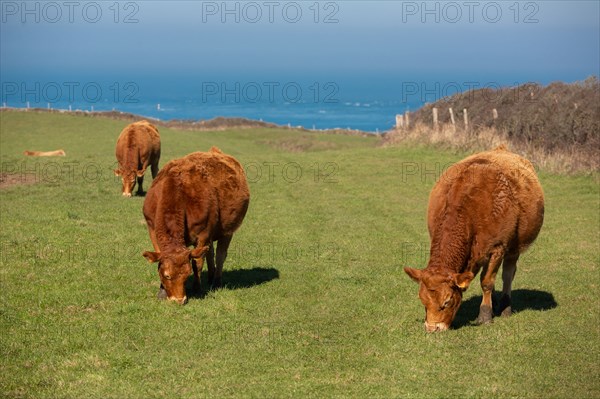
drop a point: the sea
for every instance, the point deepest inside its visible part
(312, 101)
(354, 114)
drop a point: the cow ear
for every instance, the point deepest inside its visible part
(415, 274)
(140, 173)
(462, 280)
(151, 256)
(199, 252)
(117, 172)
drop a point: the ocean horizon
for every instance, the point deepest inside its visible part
(365, 116)
(312, 102)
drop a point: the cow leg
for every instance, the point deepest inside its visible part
(488, 278)
(509, 268)
(221, 256)
(210, 261)
(140, 181)
(197, 272)
(162, 293)
(197, 264)
(154, 169)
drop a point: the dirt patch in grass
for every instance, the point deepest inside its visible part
(14, 179)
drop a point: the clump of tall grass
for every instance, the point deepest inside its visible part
(556, 126)
(567, 159)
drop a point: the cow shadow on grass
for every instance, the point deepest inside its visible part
(522, 299)
(232, 280)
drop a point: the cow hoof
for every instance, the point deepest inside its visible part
(162, 294)
(504, 308)
(485, 315)
(217, 284)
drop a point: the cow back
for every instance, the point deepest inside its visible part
(494, 196)
(138, 143)
(203, 190)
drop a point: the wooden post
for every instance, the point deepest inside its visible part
(466, 119)
(452, 120)
(495, 113)
(399, 121)
(406, 120)
(435, 118)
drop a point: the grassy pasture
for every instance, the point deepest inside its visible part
(316, 303)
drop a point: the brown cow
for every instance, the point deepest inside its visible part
(195, 200)
(138, 146)
(487, 208)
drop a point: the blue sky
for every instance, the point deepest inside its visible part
(480, 40)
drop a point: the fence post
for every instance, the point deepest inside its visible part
(435, 118)
(466, 119)
(452, 119)
(399, 121)
(495, 113)
(406, 119)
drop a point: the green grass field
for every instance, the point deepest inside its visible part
(316, 302)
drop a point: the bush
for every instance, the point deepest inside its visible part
(556, 126)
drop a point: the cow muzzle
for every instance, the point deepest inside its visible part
(128, 195)
(181, 301)
(434, 327)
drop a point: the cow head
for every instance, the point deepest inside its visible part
(441, 293)
(174, 268)
(128, 181)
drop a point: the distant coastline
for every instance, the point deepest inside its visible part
(213, 124)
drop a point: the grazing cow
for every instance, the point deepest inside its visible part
(485, 209)
(57, 153)
(195, 200)
(138, 146)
